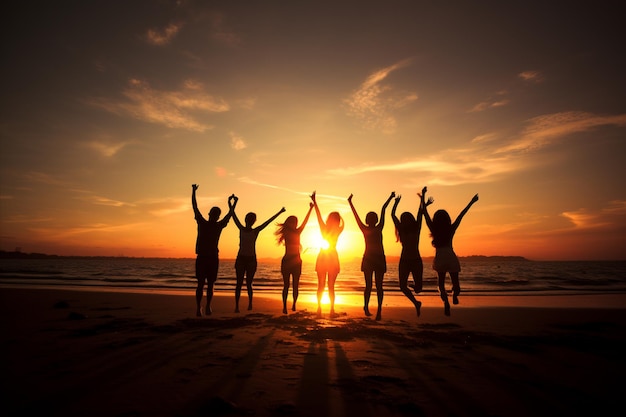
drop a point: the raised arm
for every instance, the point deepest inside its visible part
(271, 219)
(457, 222)
(231, 209)
(423, 207)
(320, 221)
(194, 202)
(381, 221)
(356, 215)
(421, 210)
(306, 218)
(395, 219)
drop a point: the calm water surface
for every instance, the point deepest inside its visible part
(482, 277)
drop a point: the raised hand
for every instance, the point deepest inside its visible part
(194, 186)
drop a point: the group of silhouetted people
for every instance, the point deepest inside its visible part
(327, 266)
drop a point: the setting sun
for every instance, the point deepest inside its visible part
(349, 245)
(339, 299)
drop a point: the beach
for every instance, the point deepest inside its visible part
(80, 352)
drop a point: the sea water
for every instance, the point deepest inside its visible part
(480, 276)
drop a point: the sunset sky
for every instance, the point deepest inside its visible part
(112, 109)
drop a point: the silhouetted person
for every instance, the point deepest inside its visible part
(291, 264)
(374, 263)
(246, 262)
(207, 261)
(442, 231)
(408, 231)
(327, 263)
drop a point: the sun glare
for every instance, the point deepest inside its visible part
(312, 242)
(326, 300)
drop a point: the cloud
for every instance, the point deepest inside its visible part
(373, 103)
(169, 108)
(44, 178)
(107, 149)
(486, 160)
(542, 130)
(450, 167)
(531, 76)
(104, 201)
(491, 103)
(59, 234)
(163, 36)
(606, 217)
(485, 105)
(248, 180)
(237, 142)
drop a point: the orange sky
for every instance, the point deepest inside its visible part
(110, 111)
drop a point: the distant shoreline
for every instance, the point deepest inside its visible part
(25, 255)
(390, 258)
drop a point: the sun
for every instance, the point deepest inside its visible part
(349, 243)
(312, 241)
(339, 299)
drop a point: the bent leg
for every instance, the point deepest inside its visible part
(418, 276)
(456, 287)
(404, 287)
(441, 282)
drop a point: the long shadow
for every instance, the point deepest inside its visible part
(354, 406)
(220, 398)
(437, 390)
(313, 397)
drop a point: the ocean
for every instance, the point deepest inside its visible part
(479, 275)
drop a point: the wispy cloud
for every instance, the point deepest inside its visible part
(248, 180)
(450, 167)
(531, 76)
(237, 142)
(44, 178)
(493, 102)
(374, 102)
(170, 108)
(486, 160)
(614, 213)
(164, 36)
(541, 131)
(59, 234)
(107, 149)
(104, 201)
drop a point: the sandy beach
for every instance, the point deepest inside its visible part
(98, 353)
